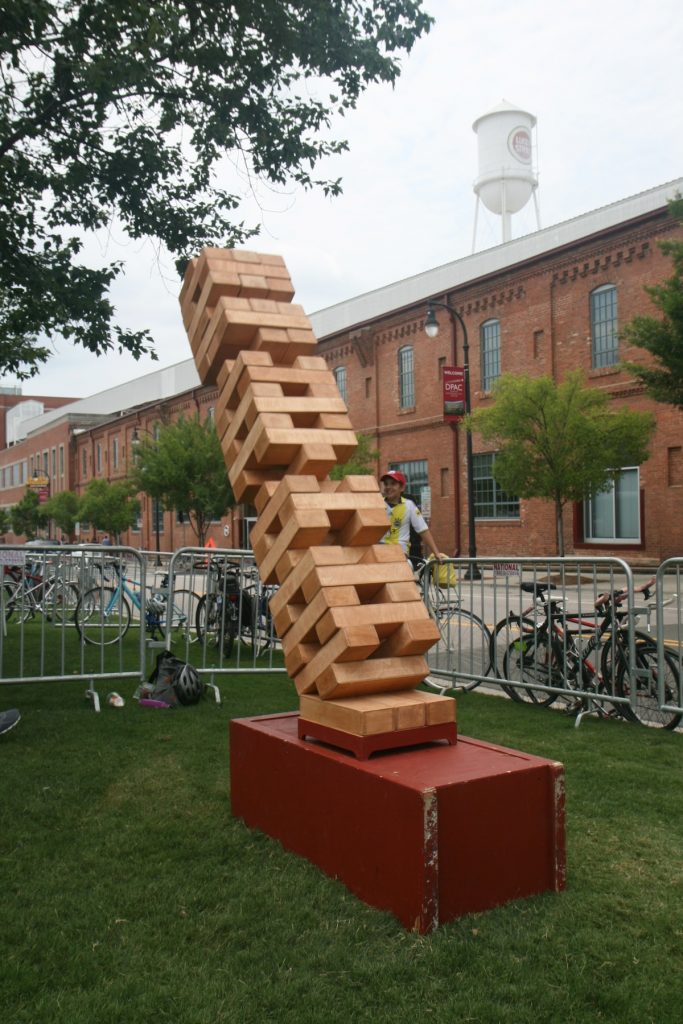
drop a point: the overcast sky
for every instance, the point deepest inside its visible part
(603, 79)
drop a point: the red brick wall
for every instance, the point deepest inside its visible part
(544, 314)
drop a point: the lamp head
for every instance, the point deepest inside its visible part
(431, 323)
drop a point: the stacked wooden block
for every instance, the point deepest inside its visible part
(353, 627)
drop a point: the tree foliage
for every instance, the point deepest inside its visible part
(560, 442)
(361, 463)
(110, 506)
(184, 468)
(662, 336)
(64, 509)
(113, 110)
(28, 515)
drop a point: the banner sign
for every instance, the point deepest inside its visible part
(453, 393)
(41, 485)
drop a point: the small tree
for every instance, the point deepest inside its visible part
(185, 469)
(110, 507)
(663, 337)
(28, 515)
(64, 510)
(561, 441)
(361, 462)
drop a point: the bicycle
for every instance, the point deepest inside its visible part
(27, 592)
(104, 612)
(463, 634)
(547, 658)
(233, 608)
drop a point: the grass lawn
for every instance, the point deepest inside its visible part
(129, 894)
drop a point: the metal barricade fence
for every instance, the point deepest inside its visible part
(53, 625)
(669, 602)
(228, 626)
(555, 634)
(528, 627)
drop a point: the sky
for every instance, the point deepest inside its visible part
(604, 80)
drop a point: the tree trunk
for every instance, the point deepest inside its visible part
(559, 527)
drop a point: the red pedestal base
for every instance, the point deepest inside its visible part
(428, 833)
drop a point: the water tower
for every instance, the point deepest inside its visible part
(506, 179)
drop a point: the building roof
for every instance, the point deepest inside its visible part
(364, 308)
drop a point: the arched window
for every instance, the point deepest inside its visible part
(605, 341)
(406, 378)
(490, 353)
(340, 377)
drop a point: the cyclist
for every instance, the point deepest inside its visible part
(403, 514)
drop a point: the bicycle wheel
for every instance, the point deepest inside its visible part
(19, 603)
(183, 617)
(533, 659)
(464, 650)
(612, 653)
(102, 616)
(646, 708)
(59, 603)
(256, 630)
(504, 633)
(214, 628)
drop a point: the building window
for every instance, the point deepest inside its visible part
(115, 453)
(61, 460)
(340, 378)
(406, 378)
(84, 461)
(490, 500)
(417, 477)
(614, 514)
(46, 464)
(211, 414)
(604, 326)
(98, 462)
(490, 353)
(368, 384)
(54, 462)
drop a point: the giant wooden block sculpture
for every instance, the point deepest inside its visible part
(353, 627)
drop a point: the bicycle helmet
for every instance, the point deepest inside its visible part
(156, 604)
(187, 684)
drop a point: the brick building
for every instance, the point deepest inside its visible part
(540, 305)
(543, 304)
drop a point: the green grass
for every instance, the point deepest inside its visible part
(130, 894)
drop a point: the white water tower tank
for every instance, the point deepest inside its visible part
(507, 178)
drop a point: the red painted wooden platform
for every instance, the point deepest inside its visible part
(428, 833)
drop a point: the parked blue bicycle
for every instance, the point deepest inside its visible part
(104, 613)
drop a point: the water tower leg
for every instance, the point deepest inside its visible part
(536, 208)
(476, 220)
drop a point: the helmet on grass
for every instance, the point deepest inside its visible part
(187, 684)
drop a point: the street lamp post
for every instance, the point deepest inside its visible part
(432, 330)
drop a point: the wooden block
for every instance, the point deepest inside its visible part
(284, 345)
(268, 521)
(398, 592)
(411, 638)
(360, 716)
(295, 575)
(438, 709)
(387, 712)
(346, 645)
(367, 579)
(383, 553)
(366, 526)
(319, 459)
(278, 447)
(385, 617)
(374, 675)
(303, 630)
(309, 528)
